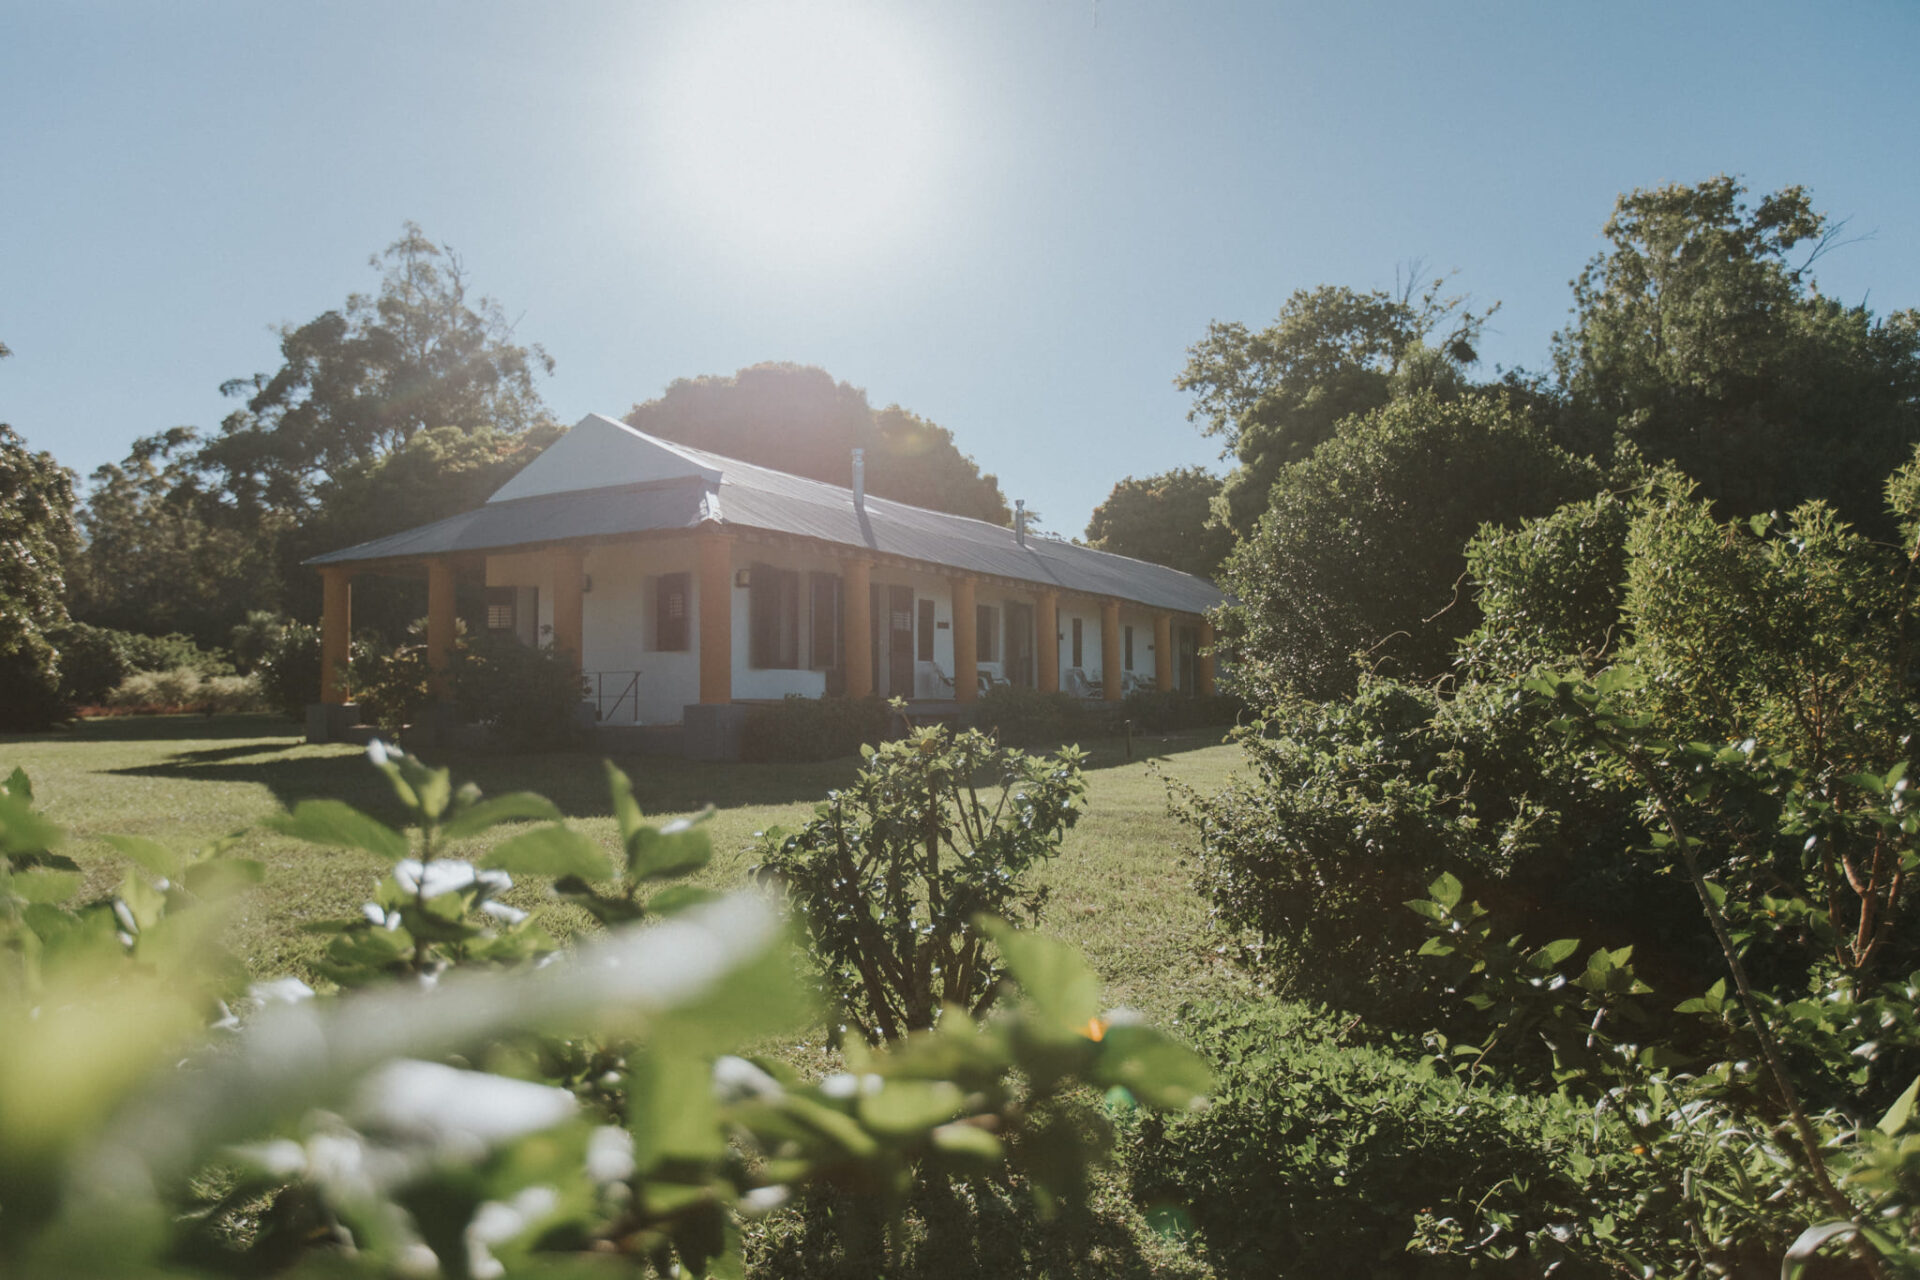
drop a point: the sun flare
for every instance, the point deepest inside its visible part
(803, 134)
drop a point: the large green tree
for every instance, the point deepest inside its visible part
(797, 418)
(1274, 395)
(154, 562)
(360, 381)
(1167, 519)
(1701, 335)
(1360, 550)
(36, 539)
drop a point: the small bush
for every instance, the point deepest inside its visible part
(1318, 1158)
(288, 669)
(391, 685)
(527, 696)
(30, 697)
(93, 661)
(170, 652)
(801, 728)
(1023, 717)
(893, 872)
(185, 689)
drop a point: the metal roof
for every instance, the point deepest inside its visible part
(747, 496)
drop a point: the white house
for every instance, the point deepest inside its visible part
(687, 584)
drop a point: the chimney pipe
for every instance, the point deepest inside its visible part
(1020, 521)
(859, 479)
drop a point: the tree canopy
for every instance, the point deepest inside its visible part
(1332, 353)
(1361, 547)
(362, 380)
(36, 539)
(1699, 337)
(798, 419)
(1168, 519)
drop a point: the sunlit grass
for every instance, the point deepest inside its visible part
(1120, 889)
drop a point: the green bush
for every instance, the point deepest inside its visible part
(1322, 1158)
(93, 661)
(171, 651)
(185, 689)
(30, 697)
(894, 872)
(527, 696)
(392, 686)
(800, 728)
(1023, 717)
(288, 669)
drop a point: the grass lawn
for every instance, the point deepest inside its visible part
(1120, 889)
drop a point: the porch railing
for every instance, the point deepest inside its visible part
(611, 690)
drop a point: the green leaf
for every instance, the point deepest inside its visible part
(1551, 955)
(553, 851)
(675, 849)
(1433, 911)
(341, 826)
(968, 1142)
(18, 785)
(515, 807)
(674, 1114)
(1901, 1111)
(1446, 890)
(625, 811)
(1155, 1069)
(150, 854)
(21, 829)
(45, 885)
(1809, 1242)
(901, 1108)
(1064, 991)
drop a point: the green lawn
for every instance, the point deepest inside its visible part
(1121, 889)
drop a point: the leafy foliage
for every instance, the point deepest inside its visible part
(893, 872)
(527, 695)
(36, 541)
(1359, 551)
(1332, 354)
(1023, 717)
(1698, 337)
(1319, 1156)
(541, 1117)
(1168, 519)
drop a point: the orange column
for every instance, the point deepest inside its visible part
(856, 627)
(440, 626)
(1046, 641)
(336, 626)
(966, 634)
(1204, 676)
(1110, 685)
(1163, 651)
(569, 622)
(716, 619)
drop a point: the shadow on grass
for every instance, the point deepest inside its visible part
(176, 728)
(573, 780)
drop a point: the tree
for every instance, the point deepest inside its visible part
(1697, 337)
(362, 381)
(797, 419)
(1331, 354)
(154, 562)
(36, 539)
(1167, 519)
(1361, 548)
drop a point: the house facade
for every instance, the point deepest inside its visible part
(684, 582)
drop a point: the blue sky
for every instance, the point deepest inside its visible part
(1011, 217)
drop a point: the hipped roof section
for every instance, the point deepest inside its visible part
(605, 480)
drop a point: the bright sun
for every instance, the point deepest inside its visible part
(805, 134)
